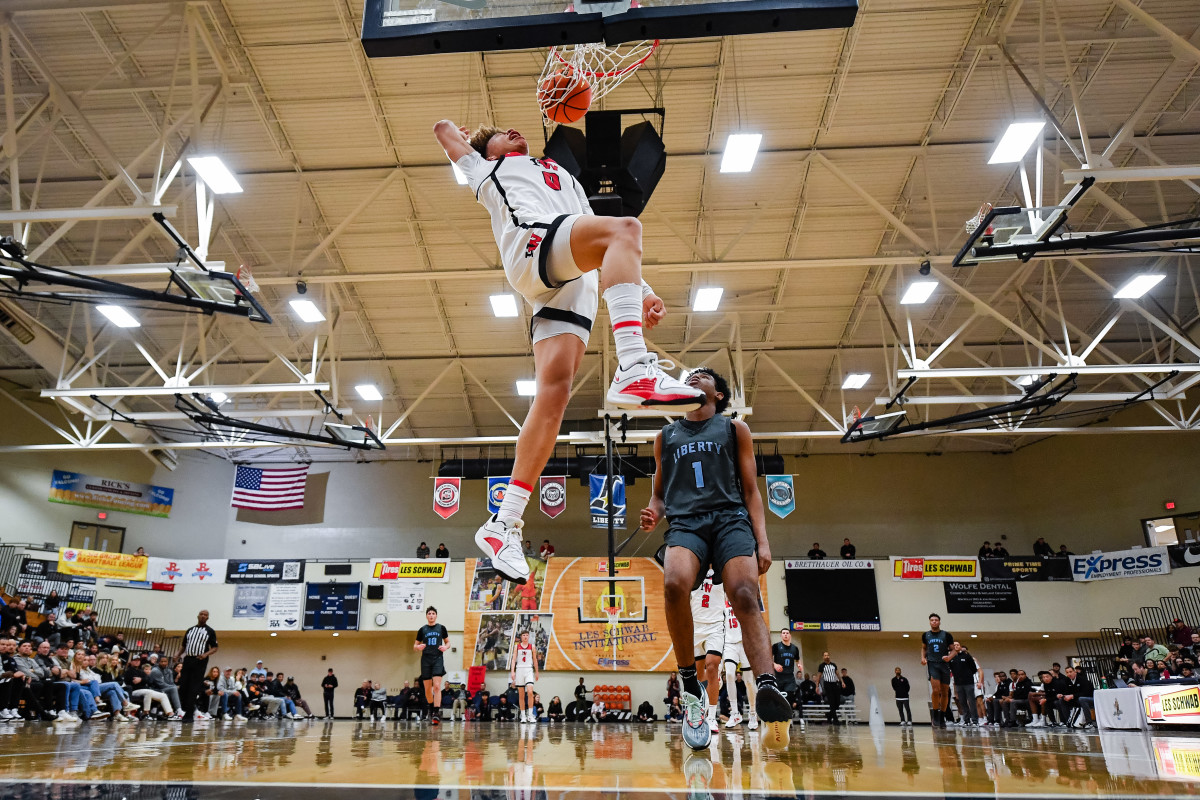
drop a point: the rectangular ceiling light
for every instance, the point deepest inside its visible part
(367, 391)
(740, 150)
(1028, 380)
(856, 380)
(458, 174)
(918, 293)
(218, 397)
(307, 310)
(215, 174)
(119, 316)
(1016, 141)
(1137, 286)
(526, 388)
(504, 305)
(708, 298)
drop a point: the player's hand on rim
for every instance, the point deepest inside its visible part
(653, 310)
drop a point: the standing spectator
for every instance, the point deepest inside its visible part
(328, 684)
(199, 642)
(966, 675)
(581, 694)
(986, 551)
(141, 551)
(848, 550)
(258, 671)
(816, 554)
(831, 687)
(442, 551)
(422, 552)
(546, 550)
(902, 688)
(1042, 548)
(1182, 635)
(672, 687)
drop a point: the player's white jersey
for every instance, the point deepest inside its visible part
(524, 655)
(733, 628)
(708, 602)
(521, 193)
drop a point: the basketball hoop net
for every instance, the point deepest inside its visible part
(974, 222)
(246, 279)
(604, 68)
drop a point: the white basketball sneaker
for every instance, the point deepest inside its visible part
(503, 545)
(734, 720)
(645, 385)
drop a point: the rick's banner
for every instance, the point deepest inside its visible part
(77, 489)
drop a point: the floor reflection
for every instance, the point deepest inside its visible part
(295, 761)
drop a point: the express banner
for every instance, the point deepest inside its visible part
(264, 571)
(77, 489)
(781, 495)
(1025, 568)
(101, 564)
(553, 495)
(446, 494)
(982, 597)
(186, 570)
(935, 568)
(598, 485)
(1120, 564)
(1184, 555)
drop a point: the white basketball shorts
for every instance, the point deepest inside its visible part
(524, 676)
(543, 270)
(710, 638)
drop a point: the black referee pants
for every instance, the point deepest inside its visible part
(833, 696)
(329, 702)
(191, 681)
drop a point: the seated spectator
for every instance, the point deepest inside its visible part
(1063, 552)
(986, 551)
(555, 712)
(847, 550)
(847, 687)
(1018, 697)
(14, 616)
(999, 551)
(162, 679)
(645, 712)
(1125, 653)
(292, 691)
(232, 701)
(137, 680)
(546, 550)
(596, 714)
(442, 551)
(92, 682)
(538, 708)
(274, 687)
(675, 712)
(483, 706)
(1042, 548)
(422, 550)
(528, 548)
(259, 670)
(1041, 702)
(378, 693)
(213, 692)
(458, 710)
(40, 682)
(1154, 652)
(141, 551)
(994, 703)
(808, 691)
(1076, 700)
(816, 554)
(1179, 633)
(504, 712)
(47, 630)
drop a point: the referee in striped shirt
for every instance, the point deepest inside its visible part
(199, 642)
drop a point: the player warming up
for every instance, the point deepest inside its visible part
(432, 641)
(734, 658)
(706, 485)
(708, 620)
(555, 253)
(523, 675)
(935, 654)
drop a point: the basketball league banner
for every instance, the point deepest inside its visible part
(101, 564)
(935, 568)
(553, 495)
(598, 484)
(446, 494)
(496, 489)
(193, 570)
(781, 495)
(436, 570)
(77, 489)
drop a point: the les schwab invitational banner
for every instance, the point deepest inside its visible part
(549, 607)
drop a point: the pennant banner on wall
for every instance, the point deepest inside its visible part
(553, 495)
(781, 495)
(600, 497)
(187, 570)
(446, 493)
(496, 489)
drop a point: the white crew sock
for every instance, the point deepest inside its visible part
(624, 303)
(516, 497)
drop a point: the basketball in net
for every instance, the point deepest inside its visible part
(564, 97)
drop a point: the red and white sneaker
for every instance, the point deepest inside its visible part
(503, 545)
(646, 385)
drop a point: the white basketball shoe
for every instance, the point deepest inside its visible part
(646, 385)
(503, 544)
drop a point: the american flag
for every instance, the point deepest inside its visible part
(269, 489)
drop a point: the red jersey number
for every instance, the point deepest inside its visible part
(552, 181)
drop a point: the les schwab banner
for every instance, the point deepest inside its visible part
(1172, 705)
(431, 570)
(935, 568)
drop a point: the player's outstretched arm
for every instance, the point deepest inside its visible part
(656, 509)
(455, 140)
(748, 472)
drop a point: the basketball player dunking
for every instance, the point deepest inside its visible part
(706, 485)
(524, 673)
(552, 249)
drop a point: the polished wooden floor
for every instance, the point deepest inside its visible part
(336, 759)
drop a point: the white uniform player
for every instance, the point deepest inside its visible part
(524, 654)
(533, 230)
(524, 673)
(708, 618)
(735, 660)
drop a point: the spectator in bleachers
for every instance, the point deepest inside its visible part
(847, 687)
(141, 551)
(41, 682)
(1042, 548)
(274, 688)
(378, 693)
(162, 679)
(808, 691)
(259, 670)
(442, 551)
(53, 602)
(483, 706)
(816, 554)
(47, 630)
(1155, 652)
(231, 695)
(999, 551)
(14, 616)
(986, 551)
(422, 550)
(546, 550)
(847, 550)
(1063, 552)
(458, 710)
(84, 668)
(1179, 633)
(555, 712)
(645, 712)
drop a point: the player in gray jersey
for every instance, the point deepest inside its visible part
(706, 485)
